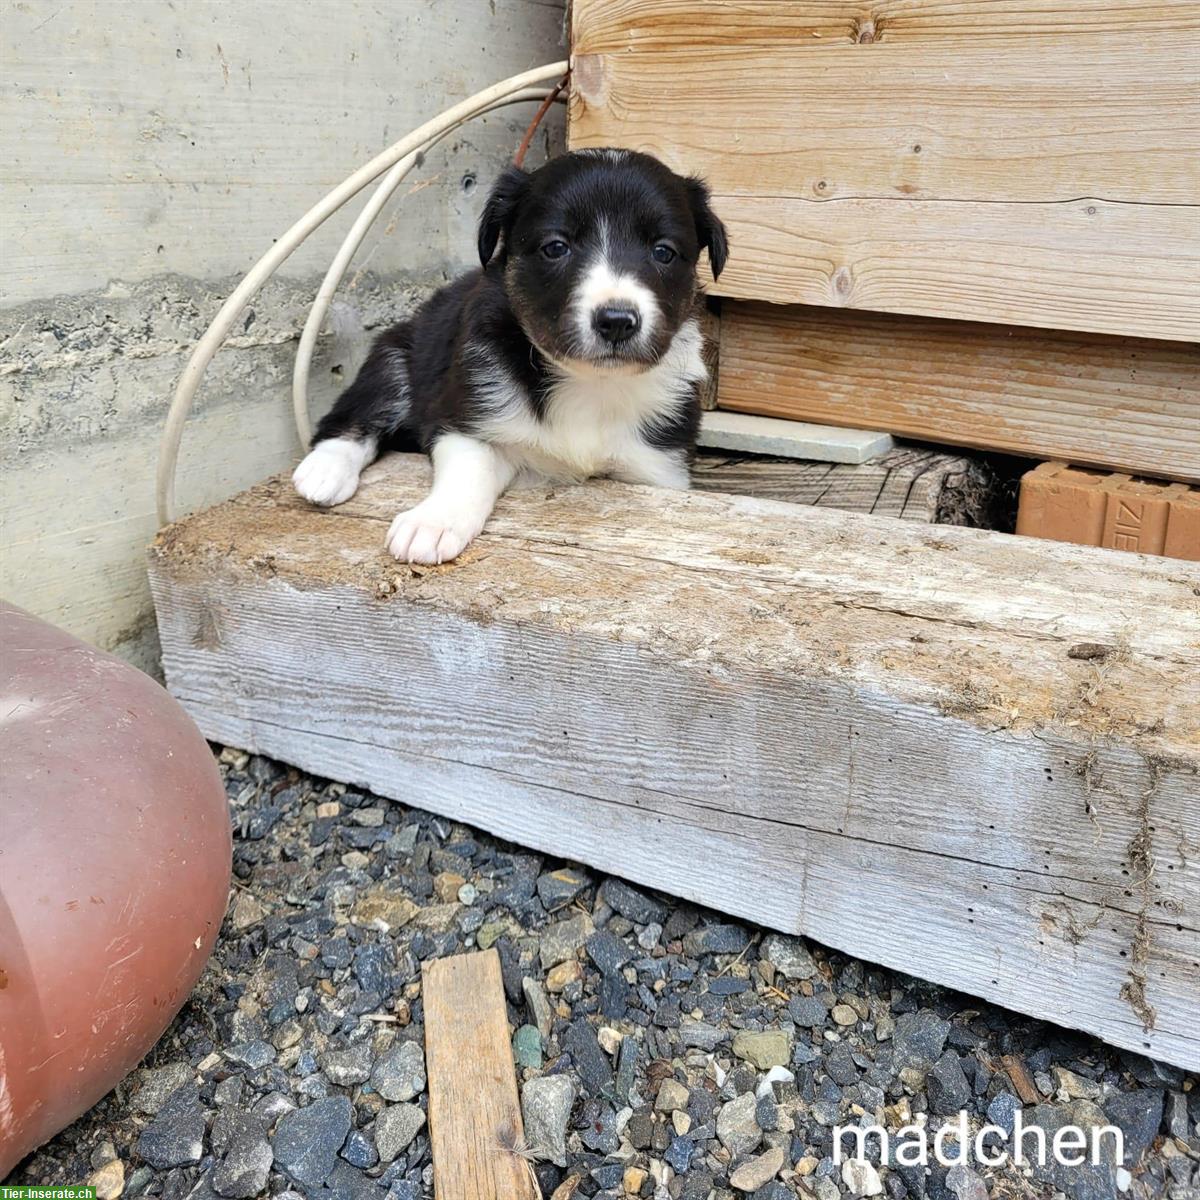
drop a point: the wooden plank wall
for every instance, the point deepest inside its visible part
(1030, 162)
(1124, 403)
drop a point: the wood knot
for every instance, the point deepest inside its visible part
(589, 80)
(843, 283)
(1090, 651)
(866, 30)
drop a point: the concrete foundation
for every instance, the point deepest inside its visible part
(151, 155)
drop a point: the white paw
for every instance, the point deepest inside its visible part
(329, 473)
(431, 534)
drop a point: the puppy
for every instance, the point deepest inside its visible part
(574, 351)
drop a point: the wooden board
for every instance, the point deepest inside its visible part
(882, 735)
(474, 1114)
(908, 483)
(1123, 403)
(1025, 163)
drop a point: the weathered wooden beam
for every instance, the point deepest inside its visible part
(474, 1112)
(1124, 403)
(911, 483)
(964, 755)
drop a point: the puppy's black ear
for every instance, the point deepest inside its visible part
(710, 233)
(500, 211)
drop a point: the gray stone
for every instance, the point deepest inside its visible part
(808, 1011)
(671, 1095)
(771, 1048)
(650, 936)
(359, 1150)
(632, 904)
(538, 1005)
(344, 1068)
(678, 1155)
(737, 1126)
(590, 1061)
(966, 1184)
(228, 1093)
(546, 1108)
(395, 1129)
(861, 1177)
(755, 1172)
(1137, 1115)
(715, 939)
(155, 1084)
(1002, 1111)
(1175, 1118)
(556, 889)
(233, 1125)
(701, 1035)
(175, 1137)
(608, 952)
(399, 1074)
(840, 1065)
(947, 1087)
(789, 956)
(564, 939)
(253, 1055)
(919, 1039)
(1083, 1181)
(307, 1140)
(243, 1172)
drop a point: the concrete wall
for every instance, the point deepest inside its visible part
(150, 152)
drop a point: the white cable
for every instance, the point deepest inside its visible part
(341, 263)
(266, 266)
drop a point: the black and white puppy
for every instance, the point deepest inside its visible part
(574, 352)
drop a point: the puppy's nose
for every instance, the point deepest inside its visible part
(616, 323)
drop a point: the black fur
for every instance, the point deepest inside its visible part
(518, 310)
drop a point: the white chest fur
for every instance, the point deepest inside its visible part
(591, 421)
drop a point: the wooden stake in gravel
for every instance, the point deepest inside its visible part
(474, 1112)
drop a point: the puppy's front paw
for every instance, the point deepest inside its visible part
(329, 473)
(430, 534)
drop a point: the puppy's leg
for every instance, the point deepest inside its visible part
(653, 465)
(468, 476)
(369, 411)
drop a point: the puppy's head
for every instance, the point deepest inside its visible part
(599, 251)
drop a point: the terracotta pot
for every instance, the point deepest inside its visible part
(114, 873)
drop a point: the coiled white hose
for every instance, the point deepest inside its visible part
(337, 269)
(266, 266)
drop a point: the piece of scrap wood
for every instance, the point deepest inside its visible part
(474, 1112)
(1018, 1073)
(790, 439)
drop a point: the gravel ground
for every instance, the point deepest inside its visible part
(664, 1051)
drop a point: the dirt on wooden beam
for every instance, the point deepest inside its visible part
(880, 734)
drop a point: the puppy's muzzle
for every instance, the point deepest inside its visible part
(616, 323)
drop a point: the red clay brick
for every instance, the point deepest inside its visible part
(1114, 511)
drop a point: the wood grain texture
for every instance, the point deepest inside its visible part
(474, 1113)
(849, 714)
(907, 483)
(1122, 403)
(669, 24)
(1088, 265)
(1003, 162)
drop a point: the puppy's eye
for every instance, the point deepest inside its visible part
(663, 253)
(556, 249)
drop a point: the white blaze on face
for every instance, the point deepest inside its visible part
(602, 286)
